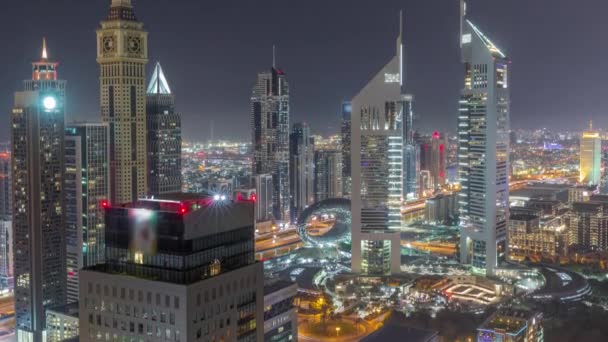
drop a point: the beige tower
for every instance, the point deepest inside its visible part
(122, 54)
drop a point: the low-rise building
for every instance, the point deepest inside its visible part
(587, 224)
(512, 326)
(530, 235)
(62, 323)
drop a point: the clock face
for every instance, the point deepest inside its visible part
(108, 44)
(134, 45)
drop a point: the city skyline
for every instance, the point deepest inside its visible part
(204, 46)
(412, 210)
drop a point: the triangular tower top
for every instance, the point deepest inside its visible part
(158, 83)
(487, 42)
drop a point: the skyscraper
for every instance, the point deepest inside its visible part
(483, 151)
(345, 128)
(164, 137)
(411, 156)
(301, 168)
(590, 157)
(178, 268)
(6, 223)
(270, 135)
(377, 170)
(438, 159)
(328, 174)
(263, 197)
(5, 182)
(122, 54)
(37, 135)
(87, 187)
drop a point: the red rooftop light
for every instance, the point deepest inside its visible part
(183, 209)
(254, 197)
(105, 204)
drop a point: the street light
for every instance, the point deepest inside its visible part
(337, 331)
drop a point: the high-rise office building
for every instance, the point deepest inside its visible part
(411, 156)
(263, 197)
(345, 129)
(270, 135)
(377, 170)
(37, 136)
(87, 186)
(301, 169)
(328, 174)
(590, 157)
(5, 182)
(6, 255)
(433, 158)
(587, 224)
(438, 165)
(6, 220)
(483, 150)
(178, 268)
(122, 54)
(164, 137)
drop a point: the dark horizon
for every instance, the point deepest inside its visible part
(211, 53)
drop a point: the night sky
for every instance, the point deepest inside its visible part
(211, 52)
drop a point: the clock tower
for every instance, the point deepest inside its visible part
(122, 55)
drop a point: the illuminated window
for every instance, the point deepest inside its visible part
(139, 258)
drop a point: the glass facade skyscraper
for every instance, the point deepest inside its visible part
(377, 170)
(328, 170)
(590, 157)
(345, 129)
(411, 155)
(301, 169)
(87, 186)
(6, 223)
(5, 182)
(164, 137)
(483, 151)
(37, 139)
(270, 135)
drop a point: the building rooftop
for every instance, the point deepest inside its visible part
(68, 309)
(201, 214)
(512, 322)
(523, 217)
(587, 206)
(277, 285)
(599, 198)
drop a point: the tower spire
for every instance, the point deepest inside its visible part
(44, 53)
(400, 50)
(463, 14)
(274, 56)
(401, 25)
(591, 125)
